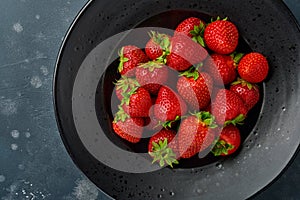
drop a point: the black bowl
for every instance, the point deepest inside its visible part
(83, 91)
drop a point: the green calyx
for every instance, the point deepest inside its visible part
(151, 65)
(192, 72)
(239, 120)
(163, 154)
(122, 60)
(164, 42)
(236, 57)
(198, 34)
(244, 83)
(121, 115)
(168, 124)
(218, 19)
(128, 86)
(207, 118)
(221, 147)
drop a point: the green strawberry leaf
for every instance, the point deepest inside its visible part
(192, 72)
(207, 118)
(221, 147)
(163, 154)
(121, 115)
(239, 120)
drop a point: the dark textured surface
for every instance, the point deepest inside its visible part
(33, 160)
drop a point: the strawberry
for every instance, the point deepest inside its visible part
(130, 57)
(126, 127)
(253, 67)
(221, 36)
(228, 108)
(157, 48)
(124, 85)
(163, 147)
(228, 142)
(184, 52)
(222, 68)
(195, 88)
(195, 134)
(169, 105)
(192, 27)
(151, 76)
(138, 102)
(151, 122)
(247, 91)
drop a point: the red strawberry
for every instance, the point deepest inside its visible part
(222, 68)
(192, 27)
(195, 88)
(124, 85)
(228, 107)
(247, 91)
(151, 122)
(128, 128)
(221, 36)
(196, 134)
(229, 141)
(139, 103)
(163, 147)
(253, 67)
(157, 48)
(130, 57)
(184, 52)
(169, 105)
(152, 76)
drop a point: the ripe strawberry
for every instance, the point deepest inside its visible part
(126, 127)
(138, 102)
(192, 27)
(228, 142)
(222, 68)
(151, 76)
(124, 85)
(184, 52)
(130, 57)
(247, 91)
(157, 48)
(168, 105)
(221, 36)
(196, 134)
(253, 67)
(163, 147)
(228, 107)
(151, 122)
(195, 88)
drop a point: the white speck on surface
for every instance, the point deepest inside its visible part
(267, 148)
(21, 167)
(37, 16)
(18, 27)
(44, 70)
(258, 145)
(14, 147)
(85, 190)
(36, 82)
(7, 106)
(15, 134)
(27, 134)
(288, 138)
(219, 166)
(2, 178)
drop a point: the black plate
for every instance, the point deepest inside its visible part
(81, 95)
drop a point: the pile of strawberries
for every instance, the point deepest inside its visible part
(187, 92)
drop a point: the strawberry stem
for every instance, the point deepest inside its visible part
(221, 147)
(163, 154)
(207, 118)
(122, 60)
(239, 120)
(121, 115)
